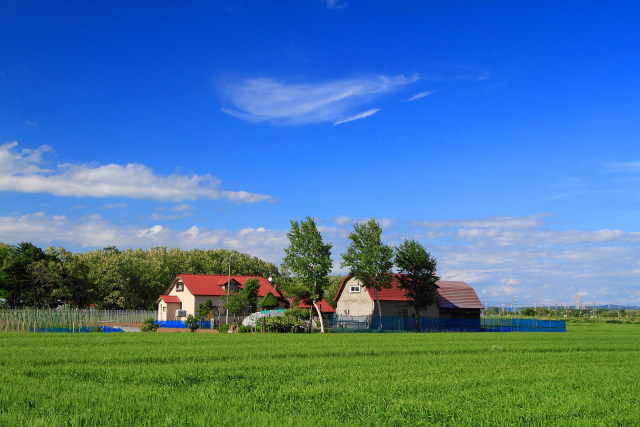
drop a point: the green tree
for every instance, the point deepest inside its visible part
(368, 259)
(309, 258)
(417, 276)
(529, 311)
(236, 302)
(205, 310)
(250, 290)
(269, 302)
(332, 289)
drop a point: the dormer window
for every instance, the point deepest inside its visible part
(354, 289)
(179, 287)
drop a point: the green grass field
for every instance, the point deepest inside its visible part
(589, 375)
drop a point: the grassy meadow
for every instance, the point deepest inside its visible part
(589, 375)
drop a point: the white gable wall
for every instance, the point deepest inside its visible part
(361, 304)
(354, 303)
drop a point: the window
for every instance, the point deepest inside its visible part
(179, 287)
(346, 311)
(354, 289)
(164, 308)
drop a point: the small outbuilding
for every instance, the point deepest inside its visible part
(456, 300)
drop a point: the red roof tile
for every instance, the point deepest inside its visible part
(167, 298)
(457, 295)
(451, 294)
(212, 285)
(324, 306)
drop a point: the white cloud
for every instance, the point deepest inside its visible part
(623, 167)
(494, 221)
(21, 172)
(182, 207)
(114, 206)
(534, 263)
(177, 212)
(95, 232)
(421, 95)
(268, 100)
(362, 115)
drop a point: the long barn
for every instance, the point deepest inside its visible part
(456, 300)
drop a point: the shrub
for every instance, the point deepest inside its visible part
(298, 312)
(150, 325)
(192, 323)
(224, 328)
(269, 301)
(244, 328)
(286, 323)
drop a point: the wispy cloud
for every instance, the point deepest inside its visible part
(421, 95)
(30, 123)
(335, 4)
(272, 101)
(22, 171)
(362, 115)
(623, 167)
(177, 212)
(114, 206)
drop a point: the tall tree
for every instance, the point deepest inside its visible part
(250, 290)
(235, 302)
(417, 276)
(368, 259)
(309, 259)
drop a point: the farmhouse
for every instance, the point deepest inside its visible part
(455, 300)
(188, 291)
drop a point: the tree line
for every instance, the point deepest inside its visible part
(109, 278)
(133, 279)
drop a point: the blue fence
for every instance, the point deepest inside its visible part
(523, 325)
(204, 324)
(69, 330)
(427, 324)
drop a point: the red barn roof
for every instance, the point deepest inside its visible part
(324, 306)
(213, 284)
(450, 294)
(457, 295)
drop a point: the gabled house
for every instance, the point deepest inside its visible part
(187, 291)
(455, 300)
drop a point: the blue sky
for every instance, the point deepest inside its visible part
(502, 135)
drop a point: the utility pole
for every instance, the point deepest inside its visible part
(226, 321)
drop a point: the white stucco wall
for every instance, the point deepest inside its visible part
(354, 303)
(361, 304)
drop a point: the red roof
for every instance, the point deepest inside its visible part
(451, 294)
(457, 295)
(168, 298)
(212, 284)
(324, 306)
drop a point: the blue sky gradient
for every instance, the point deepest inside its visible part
(502, 135)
